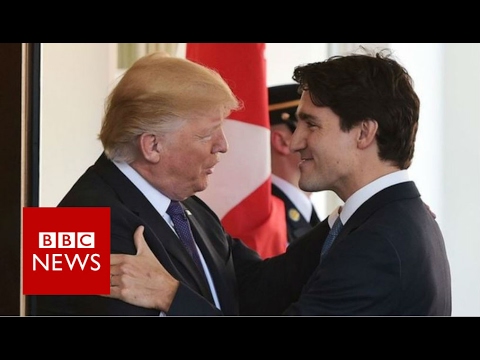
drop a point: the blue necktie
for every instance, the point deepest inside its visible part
(184, 232)
(334, 231)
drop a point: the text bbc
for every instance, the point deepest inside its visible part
(66, 240)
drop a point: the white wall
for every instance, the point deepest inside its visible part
(461, 172)
(76, 79)
(446, 164)
(283, 57)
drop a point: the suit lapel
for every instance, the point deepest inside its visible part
(405, 190)
(158, 234)
(215, 263)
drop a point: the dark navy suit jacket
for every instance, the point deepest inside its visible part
(389, 259)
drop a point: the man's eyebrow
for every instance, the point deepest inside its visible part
(304, 116)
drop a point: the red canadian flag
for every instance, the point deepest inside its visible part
(240, 189)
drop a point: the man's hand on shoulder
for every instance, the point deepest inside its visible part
(141, 279)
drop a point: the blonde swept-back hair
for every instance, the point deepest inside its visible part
(156, 94)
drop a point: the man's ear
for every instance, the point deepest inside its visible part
(279, 141)
(149, 147)
(368, 131)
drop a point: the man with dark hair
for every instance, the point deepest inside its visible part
(358, 118)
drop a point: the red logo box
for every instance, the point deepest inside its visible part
(66, 251)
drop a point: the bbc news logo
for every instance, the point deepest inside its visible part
(66, 251)
(66, 240)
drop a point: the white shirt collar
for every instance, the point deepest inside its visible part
(365, 193)
(159, 201)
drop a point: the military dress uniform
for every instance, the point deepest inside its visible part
(297, 224)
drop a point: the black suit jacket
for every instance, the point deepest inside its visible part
(245, 284)
(389, 259)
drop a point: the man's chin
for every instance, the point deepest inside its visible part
(306, 186)
(202, 187)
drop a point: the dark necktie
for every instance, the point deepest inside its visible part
(184, 232)
(334, 231)
(314, 220)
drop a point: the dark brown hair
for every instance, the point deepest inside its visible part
(372, 86)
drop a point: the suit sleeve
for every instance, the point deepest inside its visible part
(268, 287)
(189, 303)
